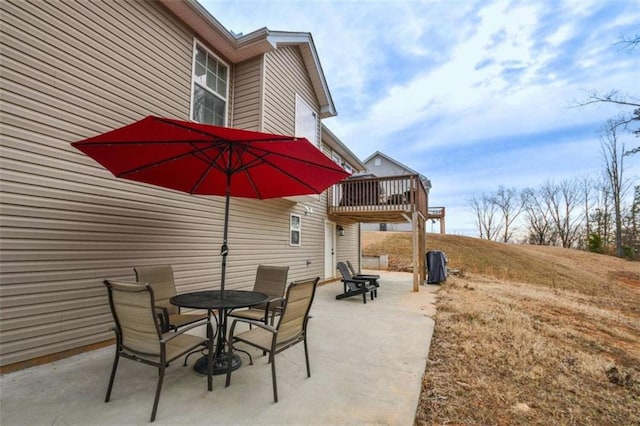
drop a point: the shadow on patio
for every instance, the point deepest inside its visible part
(367, 363)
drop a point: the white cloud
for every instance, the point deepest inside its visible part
(419, 79)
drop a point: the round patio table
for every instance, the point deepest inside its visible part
(214, 300)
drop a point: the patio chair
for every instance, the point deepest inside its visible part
(291, 328)
(272, 281)
(161, 280)
(139, 336)
(355, 286)
(372, 278)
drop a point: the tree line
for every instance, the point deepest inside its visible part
(586, 213)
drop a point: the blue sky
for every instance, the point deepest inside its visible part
(472, 94)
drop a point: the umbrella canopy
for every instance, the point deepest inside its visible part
(200, 159)
(210, 160)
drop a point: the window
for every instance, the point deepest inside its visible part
(377, 162)
(306, 121)
(210, 87)
(294, 227)
(348, 168)
(336, 158)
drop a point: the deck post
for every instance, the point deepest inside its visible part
(419, 234)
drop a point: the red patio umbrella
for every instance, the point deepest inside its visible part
(211, 160)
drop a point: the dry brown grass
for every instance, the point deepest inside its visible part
(528, 335)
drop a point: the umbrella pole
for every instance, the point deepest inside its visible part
(224, 250)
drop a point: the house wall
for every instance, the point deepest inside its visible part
(246, 110)
(71, 70)
(348, 245)
(285, 77)
(393, 227)
(386, 168)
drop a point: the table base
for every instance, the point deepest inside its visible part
(219, 364)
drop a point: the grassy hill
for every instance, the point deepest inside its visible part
(554, 267)
(528, 334)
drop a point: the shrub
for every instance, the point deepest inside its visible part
(595, 243)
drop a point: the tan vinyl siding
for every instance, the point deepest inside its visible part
(71, 70)
(348, 246)
(260, 235)
(246, 108)
(285, 76)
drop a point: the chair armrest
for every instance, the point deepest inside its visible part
(163, 316)
(355, 280)
(260, 324)
(273, 301)
(170, 336)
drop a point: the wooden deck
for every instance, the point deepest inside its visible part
(378, 199)
(387, 200)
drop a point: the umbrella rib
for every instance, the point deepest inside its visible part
(268, 138)
(291, 157)
(244, 167)
(212, 162)
(157, 163)
(300, 181)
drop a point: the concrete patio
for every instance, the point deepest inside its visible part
(367, 363)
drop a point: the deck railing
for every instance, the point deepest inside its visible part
(379, 194)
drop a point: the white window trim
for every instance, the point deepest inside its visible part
(196, 42)
(292, 230)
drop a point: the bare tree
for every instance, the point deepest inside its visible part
(613, 157)
(538, 218)
(587, 186)
(629, 42)
(510, 203)
(631, 232)
(485, 212)
(600, 214)
(626, 120)
(562, 201)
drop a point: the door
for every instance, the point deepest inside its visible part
(329, 250)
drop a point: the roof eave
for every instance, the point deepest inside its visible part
(396, 162)
(237, 49)
(336, 144)
(310, 57)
